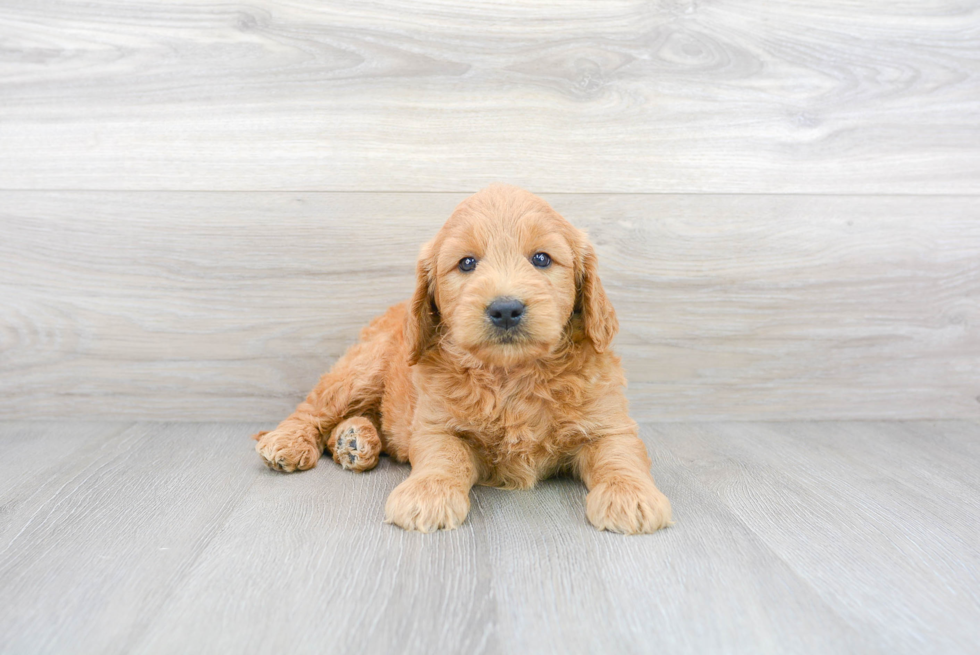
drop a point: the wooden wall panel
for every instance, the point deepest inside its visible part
(200, 204)
(799, 96)
(221, 306)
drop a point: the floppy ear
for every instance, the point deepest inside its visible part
(598, 315)
(420, 330)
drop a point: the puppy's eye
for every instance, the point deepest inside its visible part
(541, 259)
(467, 264)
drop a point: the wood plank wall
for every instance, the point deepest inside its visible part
(201, 203)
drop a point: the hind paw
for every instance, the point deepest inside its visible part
(355, 444)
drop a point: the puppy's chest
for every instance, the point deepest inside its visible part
(520, 432)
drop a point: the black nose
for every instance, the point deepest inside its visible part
(505, 313)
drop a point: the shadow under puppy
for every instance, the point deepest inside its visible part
(498, 372)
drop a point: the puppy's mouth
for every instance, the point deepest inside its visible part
(513, 336)
(517, 343)
(507, 348)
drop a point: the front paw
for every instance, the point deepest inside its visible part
(427, 503)
(628, 507)
(286, 451)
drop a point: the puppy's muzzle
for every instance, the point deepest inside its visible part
(505, 313)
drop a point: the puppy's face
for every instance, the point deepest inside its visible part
(503, 278)
(505, 284)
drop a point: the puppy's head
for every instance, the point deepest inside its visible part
(504, 279)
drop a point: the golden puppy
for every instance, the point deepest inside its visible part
(497, 372)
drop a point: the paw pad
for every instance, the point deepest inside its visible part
(357, 448)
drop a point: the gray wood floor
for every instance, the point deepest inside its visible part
(823, 537)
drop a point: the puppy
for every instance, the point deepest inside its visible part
(497, 372)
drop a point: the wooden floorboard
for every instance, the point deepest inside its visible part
(628, 96)
(229, 306)
(889, 539)
(33, 449)
(92, 548)
(789, 537)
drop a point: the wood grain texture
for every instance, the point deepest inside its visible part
(790, 537)
(525, 573)
(229, 306)
(804, 96)
(880, 519)
(91, 548)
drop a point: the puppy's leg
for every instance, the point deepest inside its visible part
(355, 444)
(622, 496)
(436, 495)
(351, 387)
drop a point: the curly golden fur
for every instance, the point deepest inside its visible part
(438, 383)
